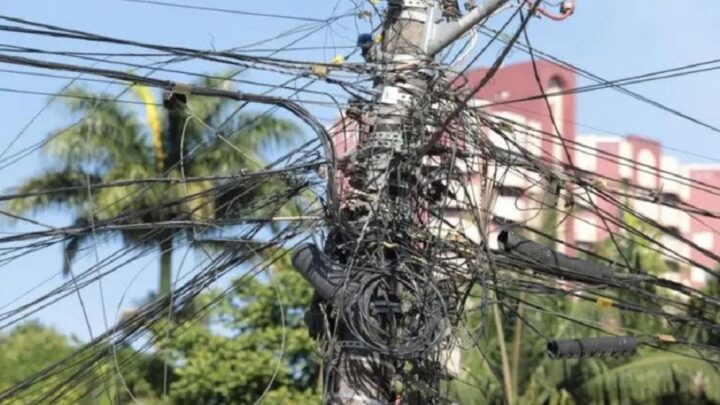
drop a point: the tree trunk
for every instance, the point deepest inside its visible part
(517, 348)
(166, 250)
(507, 378)
(549, 214)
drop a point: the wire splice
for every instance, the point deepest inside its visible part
(592, 347)
(541, 258)
(308, 262)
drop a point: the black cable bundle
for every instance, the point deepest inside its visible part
(541, 258)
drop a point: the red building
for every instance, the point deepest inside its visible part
(704, 230)
(614, 161)
(513, 95)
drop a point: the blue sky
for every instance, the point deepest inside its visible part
(611, 38)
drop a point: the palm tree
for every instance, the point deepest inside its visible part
(650, 377)
(631, 246)
(111, 143)
(656, 377)
(536, 379)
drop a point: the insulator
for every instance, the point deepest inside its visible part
(592, 347)
(541, 258)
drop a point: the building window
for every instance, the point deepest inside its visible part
(586, 246)
(509, 191)
(672, 266)
(557, 110)
(670, 198)
(581, 204)
(504, 222)
(502, 95)
(646, 175)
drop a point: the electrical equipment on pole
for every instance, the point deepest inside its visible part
(389, 329)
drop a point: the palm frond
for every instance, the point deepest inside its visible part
(652, 376)
(116, 202)
(107, 135)
(245, 144)
(75, 243)
(263, 131)
(65, 187)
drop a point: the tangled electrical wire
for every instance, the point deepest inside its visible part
(404, 265)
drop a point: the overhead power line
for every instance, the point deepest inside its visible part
(589, 75)
(228, 11)
(406, 218)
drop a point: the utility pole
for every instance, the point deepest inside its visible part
(383, 343)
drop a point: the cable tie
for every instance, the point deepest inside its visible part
(600, 184)
(338, 60)
(319, 70)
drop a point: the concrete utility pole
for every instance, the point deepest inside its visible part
(369, 366)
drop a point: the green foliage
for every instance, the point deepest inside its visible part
(143, 377)
(27, 350)
(632, 245)
(243, 349)
(241, 345)
(650, 377)
(700, 307)
(30, 348)
(653, 376)
(541, 380)
(251, 343)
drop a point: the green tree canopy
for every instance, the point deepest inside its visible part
(115, 143)
(251, 344)
(27, 350)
